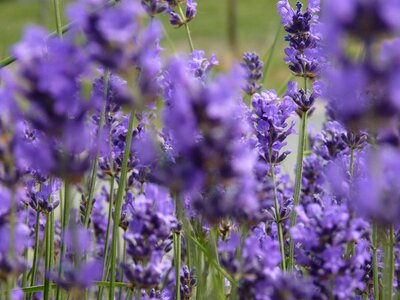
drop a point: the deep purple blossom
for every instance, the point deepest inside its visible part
(304, 55)
(253, 68)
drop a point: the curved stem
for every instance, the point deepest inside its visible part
(118, 204)
(106, 77)
(278, 222)
(189, 35)
(297, 185)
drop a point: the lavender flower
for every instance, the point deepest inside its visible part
(200, 66)
(176, 19)
(155, 7)
(322, 252)
(253, 67)
(304, 56)
(147, 237)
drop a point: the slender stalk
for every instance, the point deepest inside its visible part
(351, 167)
(48, 258)
(36, 250)
(64, 225)
(177, 262)
(118, 203)
(278, 222)
(57, 13)
(25, 273)
(106, 78)
(375, 271)
(49, 238)
(189, 35)
(105, 251)
(351, 246)
(120, 269)
(12, 221)
(389, 265)
(297, 184)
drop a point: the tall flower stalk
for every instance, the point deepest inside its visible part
(118, 205)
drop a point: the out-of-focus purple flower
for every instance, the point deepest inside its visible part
(155, 7)
(11, 265)
(253, 68)
(329, 143)
(199, 65)
(191, 10)
(44, 199)
(205, 130)
(48, 87)
(176, 19)
(115, 36)
(77, 280)
(188, 282)
(376, 192)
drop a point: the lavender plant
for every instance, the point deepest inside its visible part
(128, 172)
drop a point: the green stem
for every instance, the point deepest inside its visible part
(25, 273)
(177, 262)
(12, 221)
(351, 246)
(351, 168)
(57, 13)
(105, 251)
(118, 203)
(96, 159)
(278, 222)
(36, 250)
(64, 225)
(48, 259)
(297, 184)
(375, 262)
(389, 265)
(120, 269)
(189, 35)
